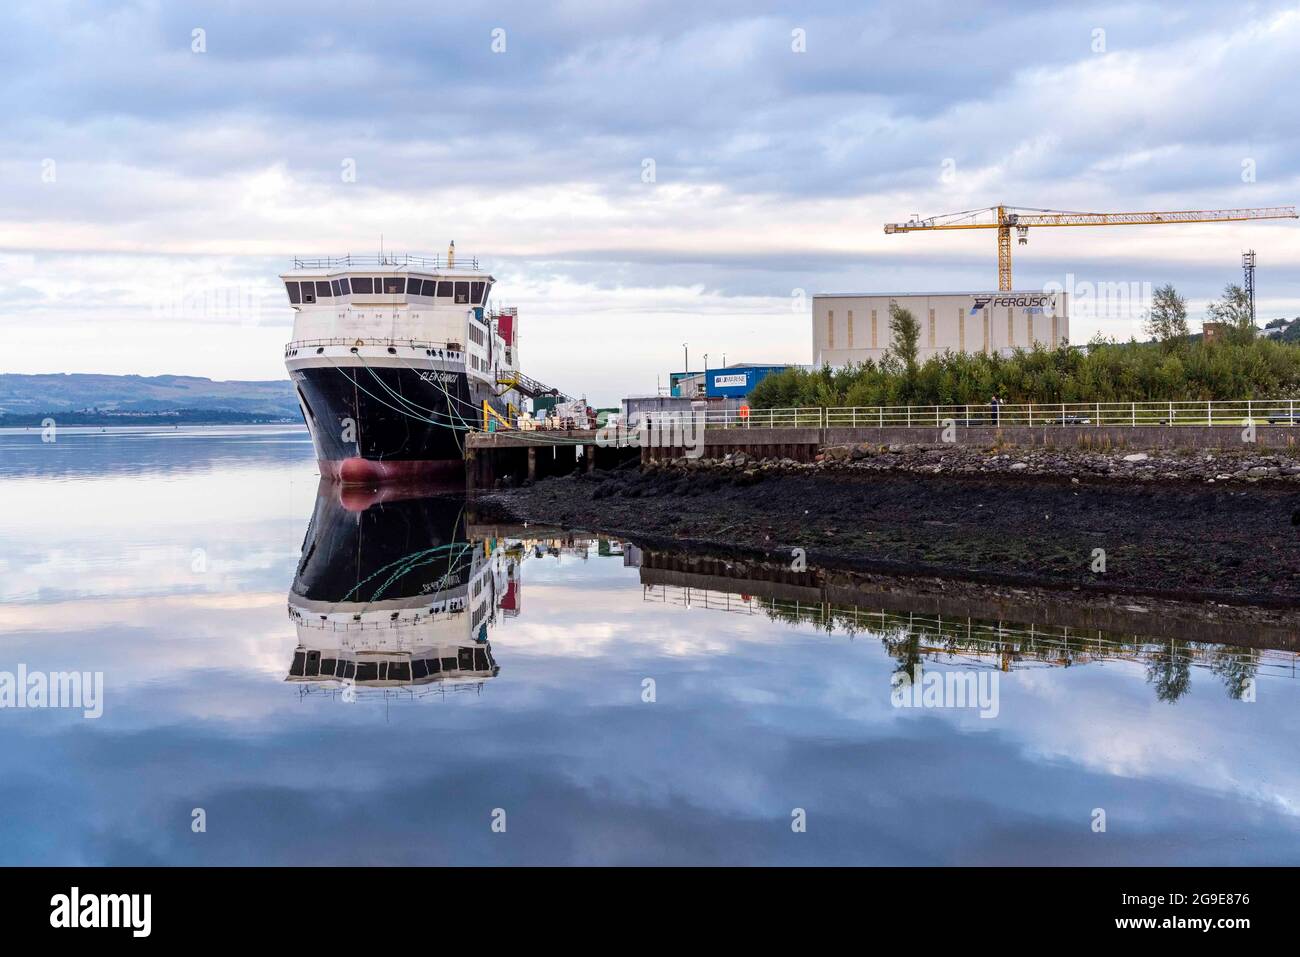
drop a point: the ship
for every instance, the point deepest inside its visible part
(396, 358)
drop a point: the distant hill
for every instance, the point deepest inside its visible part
(143, 399)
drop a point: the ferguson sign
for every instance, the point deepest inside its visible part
(1043, 302)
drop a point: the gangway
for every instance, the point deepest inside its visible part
(528, 386)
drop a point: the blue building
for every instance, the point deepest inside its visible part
(736, 380)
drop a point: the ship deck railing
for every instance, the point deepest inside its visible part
(454, 347)
(386, 260)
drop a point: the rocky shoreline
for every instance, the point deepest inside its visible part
(1220, 526)
(1246, 465)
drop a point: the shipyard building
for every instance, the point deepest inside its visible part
(854, 327)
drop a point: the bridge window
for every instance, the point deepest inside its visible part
(308, 293)
(448, 664)
(343, 285)
(362, 284)
(462, 292)
(367, 670)
(350, 670)
(412, 286)
(327, 667)
(334, 285)
(299, 658)
(430, 288)
(434, 666)
(466, 656)
(322, 289)
(480, 660)
(476, 293)
(399, 671)
(444, 290)
(292, 287)
(419, 668)
(394, 285)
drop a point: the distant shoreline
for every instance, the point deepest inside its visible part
(36, 420)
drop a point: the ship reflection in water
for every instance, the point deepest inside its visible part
(397, 591)
(390, 596)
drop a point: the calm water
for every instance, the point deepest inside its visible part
(202, 573)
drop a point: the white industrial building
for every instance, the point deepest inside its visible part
(854, 327)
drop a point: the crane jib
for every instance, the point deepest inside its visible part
(1006, 218)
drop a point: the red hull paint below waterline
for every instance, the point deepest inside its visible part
(358, 471)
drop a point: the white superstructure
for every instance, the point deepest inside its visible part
(383, 307)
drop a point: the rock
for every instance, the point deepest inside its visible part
(1137, 457)
(1018, 466)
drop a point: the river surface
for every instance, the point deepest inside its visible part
(291, 675)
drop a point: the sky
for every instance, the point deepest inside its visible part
(640, 178)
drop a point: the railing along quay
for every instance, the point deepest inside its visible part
(1235, 412)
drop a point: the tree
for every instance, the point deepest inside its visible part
(1167, 320)
(1233, 310)
(904, 334)
(1169, 669)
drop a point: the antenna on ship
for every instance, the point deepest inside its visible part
(451, 255)
(381, 247)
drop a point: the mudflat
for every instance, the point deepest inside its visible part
(1229, 542)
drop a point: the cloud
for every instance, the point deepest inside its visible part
(774, 169)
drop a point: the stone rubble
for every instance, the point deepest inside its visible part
(1189, 465)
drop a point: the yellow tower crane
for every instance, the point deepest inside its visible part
(1006, 218)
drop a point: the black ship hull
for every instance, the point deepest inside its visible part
(390, 423)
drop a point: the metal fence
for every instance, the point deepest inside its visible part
(1237, 412)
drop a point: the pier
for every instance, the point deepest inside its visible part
(539, 454)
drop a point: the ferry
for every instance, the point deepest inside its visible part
(395, 359)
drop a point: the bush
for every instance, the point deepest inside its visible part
(1106, 372)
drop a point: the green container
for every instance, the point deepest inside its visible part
(543, 404)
